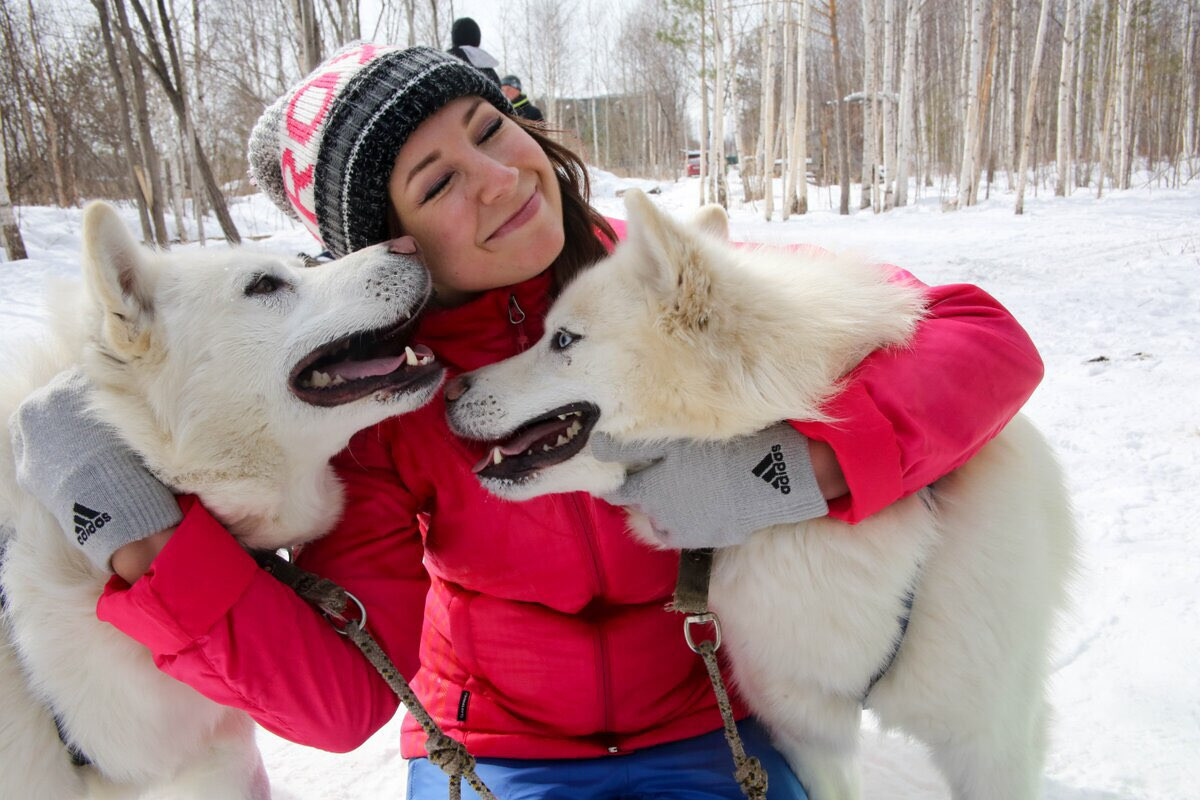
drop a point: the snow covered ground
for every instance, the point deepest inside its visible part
(1110, 291)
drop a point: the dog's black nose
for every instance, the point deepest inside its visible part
(456, 388)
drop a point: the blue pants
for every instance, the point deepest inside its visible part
(693, 769)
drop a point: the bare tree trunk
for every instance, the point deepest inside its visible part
(1062, 151)
(198, 94)
(721, 194)
(1126, 45)
(174, 178)
(768, 113)
(985, 99)
(906, 121)
(1188, 144)
(1030, 99)
(704, 165)
(789, 102)
(1012, 95)
(889, 104)
(175, 87)
(10, 233)
(132, 156)
(309, 30)
(969, 170)
(870, 90)
(1110, 102)
(839, 113)
(799, 148)
(149, 176)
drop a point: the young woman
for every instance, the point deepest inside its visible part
(534, 632)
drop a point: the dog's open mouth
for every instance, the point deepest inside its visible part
(364, 363)
(542, 442)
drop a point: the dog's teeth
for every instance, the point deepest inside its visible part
(497, 456)
(426, 360)
(545, 448)
(562, 416)
(561, 441)
(338, 380)
(574, 429)
(319, 380)
(410, 357)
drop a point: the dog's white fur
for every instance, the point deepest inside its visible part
(192, 371)
(681, 335)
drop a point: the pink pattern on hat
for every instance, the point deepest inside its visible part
(304, 122)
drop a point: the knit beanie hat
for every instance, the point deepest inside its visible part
(511, 80)
(465, 31)
(324, 151)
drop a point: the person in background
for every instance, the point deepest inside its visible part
(511, 86)
(536, 633)
(464, 44)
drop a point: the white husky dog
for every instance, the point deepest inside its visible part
(678, 334)
(236, 376)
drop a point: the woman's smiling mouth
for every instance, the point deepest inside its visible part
(523, 215)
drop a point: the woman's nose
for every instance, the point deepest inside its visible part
(497, 181)
(456, 388)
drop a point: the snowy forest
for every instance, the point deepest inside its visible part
(152, 100)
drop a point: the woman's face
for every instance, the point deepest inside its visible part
(480, 197)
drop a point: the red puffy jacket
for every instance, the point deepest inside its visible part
(535, 629)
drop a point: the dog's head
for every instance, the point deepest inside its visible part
(677, 334)
(234, 367)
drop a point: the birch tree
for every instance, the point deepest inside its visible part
(1062, 149)
(969, 169)
(905, 117)
(767, 133)
(798, 149)
(1030, 98)
(173, 84)
(10, 233)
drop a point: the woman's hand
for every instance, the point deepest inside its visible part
(132, 561)
(81, 470)
(715, 494)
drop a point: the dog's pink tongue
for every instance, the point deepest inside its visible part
(526, 440)
(353, 370)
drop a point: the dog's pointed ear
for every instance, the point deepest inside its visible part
(712, 220)
(120, 279)
(672, 262)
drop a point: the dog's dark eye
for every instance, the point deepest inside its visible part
(563, 339)
(263, 284)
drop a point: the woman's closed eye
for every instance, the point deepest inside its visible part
(491, 128)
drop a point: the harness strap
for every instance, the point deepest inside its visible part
(691, 598)
(333, 601)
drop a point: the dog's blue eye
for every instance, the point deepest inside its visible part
(263, 284)
(564, 339)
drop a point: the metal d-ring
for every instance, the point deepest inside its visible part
(342, 625)
(707, 618)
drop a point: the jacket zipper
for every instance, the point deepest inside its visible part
(589, 536)
(516, 316)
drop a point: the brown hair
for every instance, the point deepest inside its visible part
(582, 224)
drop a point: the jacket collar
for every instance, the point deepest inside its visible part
(495, 325)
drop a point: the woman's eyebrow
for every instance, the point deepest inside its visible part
(436, 154)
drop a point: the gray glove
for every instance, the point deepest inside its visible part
(81, 471)
(715, 494)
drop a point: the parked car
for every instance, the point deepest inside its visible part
(691, 164)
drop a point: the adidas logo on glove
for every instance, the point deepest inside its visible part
(772, 469)
(88, 522)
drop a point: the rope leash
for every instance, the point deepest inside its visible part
(691, 598)
(333, 601)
